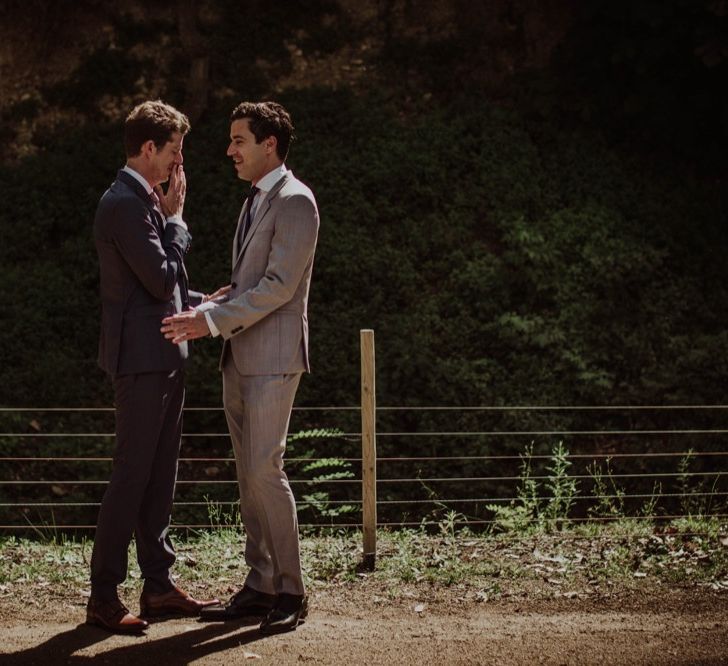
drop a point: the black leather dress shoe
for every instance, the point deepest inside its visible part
(289, 611)
(245, 603)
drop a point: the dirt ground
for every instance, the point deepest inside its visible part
(423, 625)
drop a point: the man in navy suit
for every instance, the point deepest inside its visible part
(141, 240)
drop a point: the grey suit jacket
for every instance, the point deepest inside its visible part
(142, 280)
(265, 320)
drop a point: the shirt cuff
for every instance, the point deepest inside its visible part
(177, 219)
(214, 331)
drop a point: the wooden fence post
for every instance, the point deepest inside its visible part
(368, 449)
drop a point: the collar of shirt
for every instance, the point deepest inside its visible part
(267, 182)
(139, 177)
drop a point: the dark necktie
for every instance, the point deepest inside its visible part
(248, 217)
(158, 218)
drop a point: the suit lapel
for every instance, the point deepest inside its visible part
(139, 190)
(159, 221)
(236, 237)
(259, 215)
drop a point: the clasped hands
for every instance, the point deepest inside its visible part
(191, 324)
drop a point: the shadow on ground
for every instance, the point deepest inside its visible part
(182, 648)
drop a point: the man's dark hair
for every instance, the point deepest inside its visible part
(152, 120)
(267, 119)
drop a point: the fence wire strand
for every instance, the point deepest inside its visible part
(621, 436)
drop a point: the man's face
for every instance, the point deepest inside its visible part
(251, 159)
(164, 159)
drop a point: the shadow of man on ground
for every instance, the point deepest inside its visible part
(181, 648)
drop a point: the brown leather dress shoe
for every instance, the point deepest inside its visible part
(113, 616)
(174, 602)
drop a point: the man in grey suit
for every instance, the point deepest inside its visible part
(264, 325)
(143, 279)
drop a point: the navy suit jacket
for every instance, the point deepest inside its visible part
(143, 280)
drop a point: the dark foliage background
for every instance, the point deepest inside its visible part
(553, 235)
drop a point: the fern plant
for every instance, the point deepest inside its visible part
(321, 470)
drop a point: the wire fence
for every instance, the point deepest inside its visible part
(640, 463)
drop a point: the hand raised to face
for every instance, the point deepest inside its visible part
(173, 201)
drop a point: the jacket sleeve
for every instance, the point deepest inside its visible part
(157, 262)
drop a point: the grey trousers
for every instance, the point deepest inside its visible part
(138, 499)
(258, 411)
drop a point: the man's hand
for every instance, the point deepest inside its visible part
(220, 292)
(173, 202)
(185, 326)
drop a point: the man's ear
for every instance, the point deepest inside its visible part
(271, 143)
(149, 149)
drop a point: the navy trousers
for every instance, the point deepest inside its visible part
(138, 499)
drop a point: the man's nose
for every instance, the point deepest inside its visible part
(229, 152)
(180, 158)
